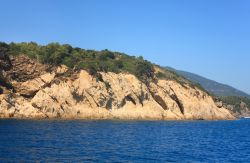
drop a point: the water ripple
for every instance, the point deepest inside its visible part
(124, 141)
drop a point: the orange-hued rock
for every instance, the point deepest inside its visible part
(50, 94)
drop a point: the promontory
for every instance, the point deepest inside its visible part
(65, 82)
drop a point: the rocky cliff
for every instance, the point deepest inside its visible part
(34, 90)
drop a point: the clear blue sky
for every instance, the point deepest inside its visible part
(207, 37)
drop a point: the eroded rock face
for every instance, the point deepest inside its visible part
(5, 65)
(25, 69)
(50, 94)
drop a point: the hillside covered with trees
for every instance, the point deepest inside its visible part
(77, 58)
(94, 61)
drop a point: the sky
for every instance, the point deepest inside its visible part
(207, 37)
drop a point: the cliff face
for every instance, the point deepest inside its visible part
(40, 91)
(239, 111)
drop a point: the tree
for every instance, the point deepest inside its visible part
(68, 62)
(119, 64)
(92, 70)
(144, 70)
(15, 49)
(4, 48)
(5, 63)
(105, 55)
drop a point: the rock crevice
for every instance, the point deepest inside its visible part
(60, 93)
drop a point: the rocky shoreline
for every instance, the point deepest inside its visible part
(38, 91)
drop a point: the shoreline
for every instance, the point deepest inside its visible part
(118, 96)
(116, 119)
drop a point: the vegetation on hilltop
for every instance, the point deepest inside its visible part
(93, 61)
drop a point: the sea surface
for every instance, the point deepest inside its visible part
(124, 141)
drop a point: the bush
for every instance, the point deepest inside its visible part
(92, 71)
(105, 55)
(144, 70)
(160, 75)
(4, 49)
(119, 64)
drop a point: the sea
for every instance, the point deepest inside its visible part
(124, 141)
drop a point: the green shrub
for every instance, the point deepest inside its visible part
(160, 75)
(90, 60)
(235, 100)
(144, 70)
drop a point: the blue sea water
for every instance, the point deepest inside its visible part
(124, 141)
